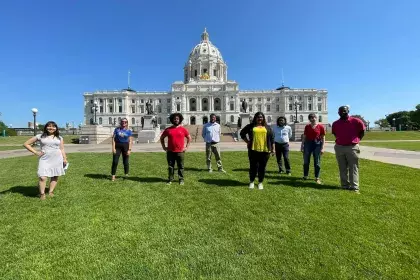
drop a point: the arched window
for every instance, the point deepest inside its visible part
(100, 120)
(217, 104)
(269, 119)
(133, 121)
(300, 118)
(193, 104)
(232, 118)
(291, 118)
(91, 121)
(204, 104)
(109, 120)
(320, 119)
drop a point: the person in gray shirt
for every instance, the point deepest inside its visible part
(282, 134)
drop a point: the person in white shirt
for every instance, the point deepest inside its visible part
(211, 135)
(282, 135)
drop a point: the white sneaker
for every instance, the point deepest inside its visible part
(251, 185)
(260, 186)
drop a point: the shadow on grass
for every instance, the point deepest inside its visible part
(195, 169)
(247, 170)
(98, 176)
(222, 182)
(29, 191)
(146, 179)
(300, 183)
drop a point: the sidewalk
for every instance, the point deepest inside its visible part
(400, 157)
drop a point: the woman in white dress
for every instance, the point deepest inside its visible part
(52, 157)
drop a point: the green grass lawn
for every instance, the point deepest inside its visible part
(409, 146)
(19, 140)
(213, 227)
(384, 135)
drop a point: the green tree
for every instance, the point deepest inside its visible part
(40, 127)
(382, 123)
(361, 118)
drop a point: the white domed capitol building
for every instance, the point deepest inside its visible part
(204, 90)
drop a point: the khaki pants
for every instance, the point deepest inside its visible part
(213, 149)
(348, 163)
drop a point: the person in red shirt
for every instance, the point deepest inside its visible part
(176, 146)
(348, 132)
(313, 144)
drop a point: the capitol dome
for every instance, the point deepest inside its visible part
(205, 63)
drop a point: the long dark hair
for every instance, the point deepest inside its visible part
(45, 132)
(281, 117)
(254, 120)
(172, 117)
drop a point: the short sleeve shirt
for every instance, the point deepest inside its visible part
(347, 131)
(176, 138)
(122, 135)
(314, 133)
(259, 142)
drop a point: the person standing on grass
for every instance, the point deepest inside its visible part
(211, 135)
(259, 138)
(348, 132)
(313, 144)
(122, 142)
(282, 134)
(176, 148)
(52, 157)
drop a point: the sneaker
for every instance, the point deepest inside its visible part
(289, 173)
(352, 189)
(260, 186)
(251, 185)
(210, 170)
(281, 171)
(169, 182)
(318, 181)
(181, 182)
(222, 170)
(305, 178)
(345, 187)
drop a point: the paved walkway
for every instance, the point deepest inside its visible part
(400, 157)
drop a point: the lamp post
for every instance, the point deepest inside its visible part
(367, 122)
(393, 123)
(296, 104)
(95, 109)
(34, 111)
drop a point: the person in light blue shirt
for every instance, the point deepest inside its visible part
(282, 134)
(211, 135)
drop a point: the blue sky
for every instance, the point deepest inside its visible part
(365, 53)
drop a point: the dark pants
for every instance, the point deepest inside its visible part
(257, 163)
(172, 157)
(282, 149)
(312, 148)
(120, 148)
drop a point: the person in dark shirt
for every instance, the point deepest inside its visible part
(122, 141)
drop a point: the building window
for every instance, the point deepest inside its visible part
(291, 118)
(290, 107)
(109, 120)
(319, 99)
(195, 73)
(320, 119)
(214, 73)
(193, 104)
(268, 108)
(168, 121)
(204, 70)
(91, 121)
(133, 109)
(168, 100)
(217, 104)
(110, 100)
(204, 104)
(259, 99)
(101, 100)
(133, 101)
(250, 99)
(111, 110)
(120, 109)
(142, 109)
(159, 120)
(120, 100)
(300, 107)
(249, 108)
(310, 98)
(268, 99)
(232, 106)
(300, 98)
(168, 110)
(159, 100)
(277, 99)
(290, 98)
(101, 109)
(91, 102)
(177, 97)
(310, 107)
(320, 107)
(159, 109)
(232, 118)
(301, 118)
(100, 120)
(91, 110)
(133, 121)
(178, 107)
(277, 108)
(259, 108)
(269, 119)
(142, 101)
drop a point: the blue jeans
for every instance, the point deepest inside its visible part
(312, 148)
